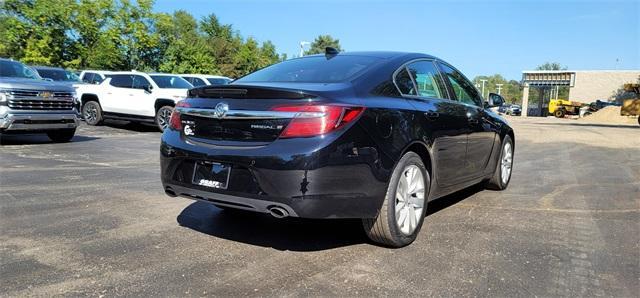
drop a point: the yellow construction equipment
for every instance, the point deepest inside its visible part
(631, 107)
(562, 107)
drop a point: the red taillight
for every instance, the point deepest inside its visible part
(175, 122)
(313, 120)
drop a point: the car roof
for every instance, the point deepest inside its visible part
(203, 75)
(379, 54)
(46, 67)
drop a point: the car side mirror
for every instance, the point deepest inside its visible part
(494, 100)
(148, 88)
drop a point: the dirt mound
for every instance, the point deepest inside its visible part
(610, 114)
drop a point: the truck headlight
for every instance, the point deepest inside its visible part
(3, 96)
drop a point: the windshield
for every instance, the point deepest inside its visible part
(58, 75)
(218, 81)
(15, 69)
(171, 82)
(315, 69)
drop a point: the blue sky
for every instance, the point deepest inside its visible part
(478, 37)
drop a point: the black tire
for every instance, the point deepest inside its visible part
(496, 182)
(62, 135)
(163, 114)
(638, 123)
(384, 229)
(559, 113)
(92, 113)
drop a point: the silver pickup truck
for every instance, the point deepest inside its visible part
(29, 104)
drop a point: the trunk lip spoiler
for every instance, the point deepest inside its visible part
(247, 114)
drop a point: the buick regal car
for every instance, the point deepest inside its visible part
(369, 135)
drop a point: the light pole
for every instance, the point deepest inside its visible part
(302, 44)
(499, 88)
(483, 81)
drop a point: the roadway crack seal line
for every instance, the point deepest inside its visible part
(551, 209)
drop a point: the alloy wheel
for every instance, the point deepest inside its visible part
(164, 114)
(409, 199)
(90, 113)
(506, 163)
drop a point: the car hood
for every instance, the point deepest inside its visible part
(32, 84)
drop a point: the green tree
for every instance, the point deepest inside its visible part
(186, 50)
(551, 66)
(321, 42)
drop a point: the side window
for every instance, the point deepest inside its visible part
(139, 82)
(97, 79)
(463, 89)
(428, 81)
(88, 77)
(404, 82)
(121, 81)
(197, 82)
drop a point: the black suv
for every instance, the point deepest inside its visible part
(370, 135)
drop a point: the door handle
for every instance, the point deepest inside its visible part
(473, 120)
(432, 115)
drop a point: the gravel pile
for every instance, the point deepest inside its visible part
(611, 115)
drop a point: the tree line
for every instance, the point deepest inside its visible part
(125, 35)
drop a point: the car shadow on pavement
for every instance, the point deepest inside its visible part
(36, 139)
(133, 126)
(292, 234)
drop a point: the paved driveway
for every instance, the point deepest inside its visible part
(90, 218)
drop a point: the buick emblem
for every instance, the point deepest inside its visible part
(220, 110)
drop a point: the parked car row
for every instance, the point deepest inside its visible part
(52, 99)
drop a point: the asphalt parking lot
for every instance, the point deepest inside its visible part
(90, 218)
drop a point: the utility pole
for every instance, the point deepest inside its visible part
(302, 44)
(499, 88)
(483, 81)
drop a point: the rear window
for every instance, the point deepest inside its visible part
(315, 69)
(171, 82)
(218, 81)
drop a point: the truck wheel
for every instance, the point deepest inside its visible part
(502, 173)
(162, 117)
(62, 135)
(92, 113)
(559, 113)
(402, 213)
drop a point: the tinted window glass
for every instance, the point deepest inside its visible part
(121, 81)
(97, 79)
(58, 75)
(87, 77)
(139, 82)
(463, 89)
(404, 82)
(427, 78)
(218, 81)
(197, 82)
(314, 69)
(171, 82)
(16, 70)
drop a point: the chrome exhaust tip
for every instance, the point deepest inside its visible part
(278, 212)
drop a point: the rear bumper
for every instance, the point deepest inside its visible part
(37, 121)
(310, 178)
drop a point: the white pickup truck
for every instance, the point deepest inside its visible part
(132, 96)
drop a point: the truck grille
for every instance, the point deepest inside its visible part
(40, 100)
